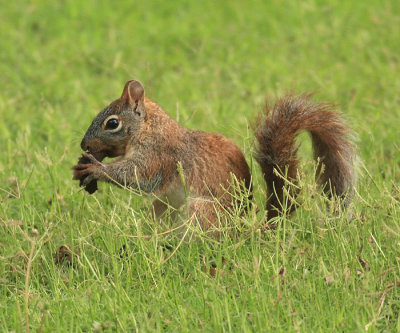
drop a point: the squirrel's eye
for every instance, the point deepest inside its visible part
(112, 124)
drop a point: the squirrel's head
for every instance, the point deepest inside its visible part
(113, 127)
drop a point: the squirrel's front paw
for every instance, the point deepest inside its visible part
(87, 171)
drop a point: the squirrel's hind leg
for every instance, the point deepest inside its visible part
(199, 212)
(206, 213)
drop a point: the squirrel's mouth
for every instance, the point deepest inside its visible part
(99, 155)
(102, 154)
(100, 151)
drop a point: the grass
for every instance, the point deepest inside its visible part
(210, 65)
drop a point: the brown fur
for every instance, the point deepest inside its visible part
(332, 143)
(150, 146)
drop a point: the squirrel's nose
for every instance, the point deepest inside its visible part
(84, 145)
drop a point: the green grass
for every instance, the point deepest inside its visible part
(210, 65)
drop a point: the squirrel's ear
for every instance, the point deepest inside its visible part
(133, 95)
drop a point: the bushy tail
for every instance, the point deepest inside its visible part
(332, 142)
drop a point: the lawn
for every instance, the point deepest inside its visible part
(66, 262)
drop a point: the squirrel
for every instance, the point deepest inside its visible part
(150, 145)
